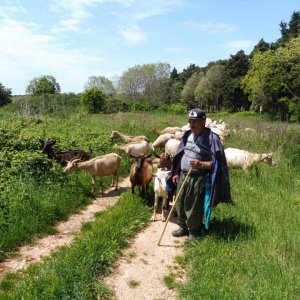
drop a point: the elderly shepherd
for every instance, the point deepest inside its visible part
(208, 183)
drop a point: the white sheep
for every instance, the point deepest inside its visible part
(178, 135)
(237, 158)
(222, 134)
(161, 140)
(186, 127)
(128, 138)
(134, 149)
(171, 147)
(160, 191)
(99, 166)
(171, 130)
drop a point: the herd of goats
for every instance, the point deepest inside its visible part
(142, 170)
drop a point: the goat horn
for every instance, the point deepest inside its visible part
(75, 160)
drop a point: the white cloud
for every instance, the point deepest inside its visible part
(211, 27)
(75, 12)
(148, 9)
(133, 34)
(28, 54)
(240, 44)
(7, 10)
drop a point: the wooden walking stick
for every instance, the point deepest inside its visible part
(174, 204)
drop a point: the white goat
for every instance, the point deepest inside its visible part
(160, 191)
(134, 149)
(237, 158)
(99, 166)
(161, 140)
(128, 138)
(171, 147)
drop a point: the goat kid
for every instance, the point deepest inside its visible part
(100, 166)
(160, 191)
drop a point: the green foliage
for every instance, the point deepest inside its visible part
(93, 100)
(44, 84)
(291, 30)
(5, 95)
(114, 105)
(59, 105)
(176, 109)
(148, 81)
(140, 105)
(273, 81)
(188, 92)
(209, 88)
(102, 83)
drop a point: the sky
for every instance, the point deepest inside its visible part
(73, 40)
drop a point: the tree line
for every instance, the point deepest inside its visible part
(267, 80)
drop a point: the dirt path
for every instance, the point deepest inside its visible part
(140, 271)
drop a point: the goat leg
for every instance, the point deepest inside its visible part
(164, 209)
(153, 218)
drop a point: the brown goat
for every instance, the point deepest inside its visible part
(141, 173)
(165, 161)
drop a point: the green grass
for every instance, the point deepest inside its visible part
(73, 272)
(251, 251)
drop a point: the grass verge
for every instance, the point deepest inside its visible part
(73, 271)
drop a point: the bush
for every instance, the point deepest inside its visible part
(176, 109)
(93, 100)
(5, 95)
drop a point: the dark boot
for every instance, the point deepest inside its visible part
(195, 233)
(181, 231)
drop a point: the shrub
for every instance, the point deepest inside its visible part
(93, 100)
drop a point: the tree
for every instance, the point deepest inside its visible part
(273, 82)
(236, 67)
(102, 83)
(5, 95)
(174, 74)
(188, 72)
(93, 100)
(261, 46)
(290, 31)
(148, 82)
(44, 84)
(209, 88)
(188, 91)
